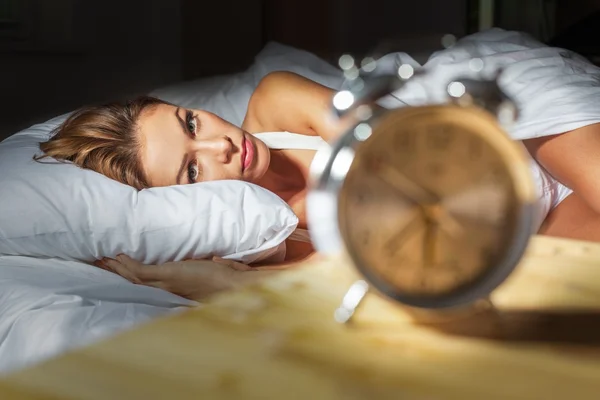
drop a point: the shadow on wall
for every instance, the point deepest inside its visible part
(75, 52)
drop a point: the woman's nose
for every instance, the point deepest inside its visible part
(220, 147)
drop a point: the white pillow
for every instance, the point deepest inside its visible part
(60, 210)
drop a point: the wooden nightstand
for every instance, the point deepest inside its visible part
(278, 340)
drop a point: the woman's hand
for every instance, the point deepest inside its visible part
(192, 279)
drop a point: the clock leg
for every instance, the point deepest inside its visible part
(351, 301)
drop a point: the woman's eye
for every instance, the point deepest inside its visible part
(191, 123)
(193, 172)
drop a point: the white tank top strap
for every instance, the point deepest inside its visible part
(300, 235)
(288, 140)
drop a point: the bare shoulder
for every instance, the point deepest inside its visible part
(262, 101)
(284, 82)
(287, 101)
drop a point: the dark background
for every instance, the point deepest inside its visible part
(56, 55)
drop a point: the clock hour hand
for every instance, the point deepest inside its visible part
(416, 193)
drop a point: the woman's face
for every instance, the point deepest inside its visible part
(181, 146)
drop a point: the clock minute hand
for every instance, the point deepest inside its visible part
(395, 241)
(429, 245)
(450, 225)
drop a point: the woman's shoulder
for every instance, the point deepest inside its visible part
(276, 88)
(285, 101)
(261, 103)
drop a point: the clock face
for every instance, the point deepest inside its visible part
(428, 206)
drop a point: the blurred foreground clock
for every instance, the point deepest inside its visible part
(434, 205)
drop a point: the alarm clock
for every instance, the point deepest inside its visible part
(433, 205)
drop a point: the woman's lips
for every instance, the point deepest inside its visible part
(247, 153)
(243, 152)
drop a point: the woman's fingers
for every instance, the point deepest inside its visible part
(193, 279)
(275, 267)
(125, 270)
(242, 274)
(99, 264)
(232, 264)
(132, 270)
(243, 267)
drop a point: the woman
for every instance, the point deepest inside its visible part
(150, 143)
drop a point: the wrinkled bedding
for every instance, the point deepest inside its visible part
(49, 306)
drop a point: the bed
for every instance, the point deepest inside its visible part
(49, 306)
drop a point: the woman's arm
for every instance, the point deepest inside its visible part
(192, 279)
(573, 158)
(285, 101)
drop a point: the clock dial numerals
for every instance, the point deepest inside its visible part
(439, 138)
(403, 149)
(404, 142)
(359, 198)
(435, 169)
(474, 147)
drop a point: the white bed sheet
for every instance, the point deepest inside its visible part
(50, 306)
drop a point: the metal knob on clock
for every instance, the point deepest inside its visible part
(364, 92)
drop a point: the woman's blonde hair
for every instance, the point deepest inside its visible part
(104, 139)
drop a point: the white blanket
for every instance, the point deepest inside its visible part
(556, 90)
(50, 306)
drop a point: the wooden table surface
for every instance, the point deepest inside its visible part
(278, 340)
